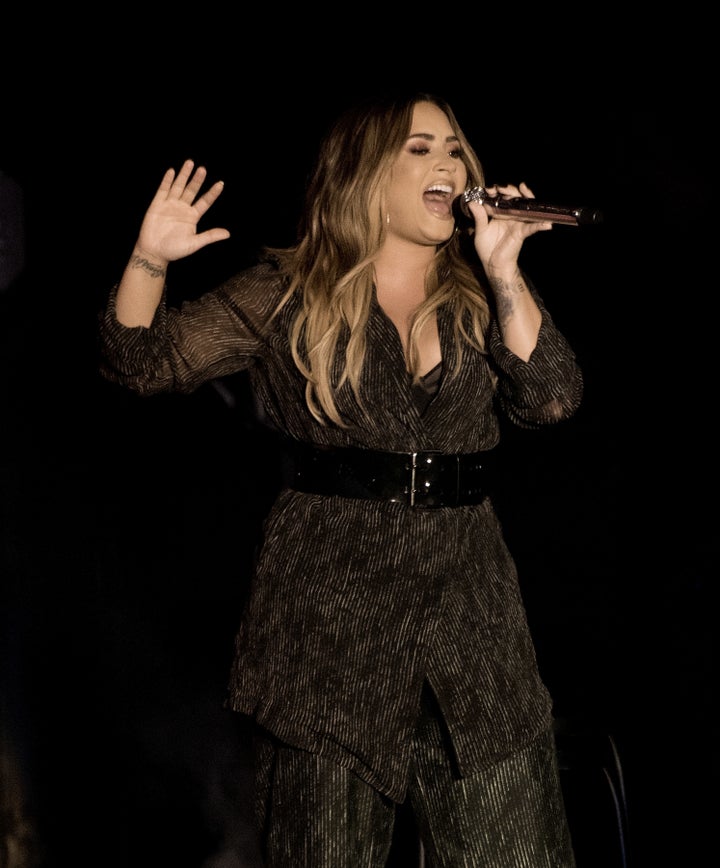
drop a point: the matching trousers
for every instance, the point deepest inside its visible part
(312, 813)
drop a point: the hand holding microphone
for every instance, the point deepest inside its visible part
(523, 209)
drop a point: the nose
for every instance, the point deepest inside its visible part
(446, 163)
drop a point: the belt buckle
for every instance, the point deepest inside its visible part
(413, 468)
(418, 458)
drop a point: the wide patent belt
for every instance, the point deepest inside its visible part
(419, 479)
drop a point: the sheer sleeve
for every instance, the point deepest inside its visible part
(548, 387)
(222, 332)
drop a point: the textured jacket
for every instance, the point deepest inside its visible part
(355, 602)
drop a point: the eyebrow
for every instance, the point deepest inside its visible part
(431, 138)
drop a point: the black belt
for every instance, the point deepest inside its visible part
(419, 479)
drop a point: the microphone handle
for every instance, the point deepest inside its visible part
(529, 210)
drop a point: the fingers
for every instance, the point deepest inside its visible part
(210, 236)
(185, 186)
(187, 190)
(208, 197)
(173, 186)
(526, 191)
(162, 191)
(511, 190)
(479, 213)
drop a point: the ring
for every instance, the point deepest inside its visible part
(475, 194)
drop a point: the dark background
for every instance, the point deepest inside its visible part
(128, 525)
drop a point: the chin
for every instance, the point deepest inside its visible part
(441, 236)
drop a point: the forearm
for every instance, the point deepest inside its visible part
(519, 317)
(140, 289)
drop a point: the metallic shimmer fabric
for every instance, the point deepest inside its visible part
(315, 814)
(355, 603)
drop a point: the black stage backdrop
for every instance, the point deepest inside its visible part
(122, 585)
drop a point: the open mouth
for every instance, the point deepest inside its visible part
(438, 199)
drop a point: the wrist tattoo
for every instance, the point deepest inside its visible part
(504, 292)
(152, 269)
(508, 287)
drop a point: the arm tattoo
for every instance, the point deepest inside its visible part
(153, 270)
(504, 292)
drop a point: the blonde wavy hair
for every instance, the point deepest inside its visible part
(341, 231)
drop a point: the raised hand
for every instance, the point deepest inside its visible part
(168, 232)
(169, 228)
(498, 240)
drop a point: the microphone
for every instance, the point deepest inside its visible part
(521, 208)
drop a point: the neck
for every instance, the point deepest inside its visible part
(399, 260)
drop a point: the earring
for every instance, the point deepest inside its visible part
(387, 219)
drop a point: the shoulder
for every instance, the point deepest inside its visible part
(254, 292)
(264, 277)
(265, 271)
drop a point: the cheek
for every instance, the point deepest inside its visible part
(406, 176)
(402, 192)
